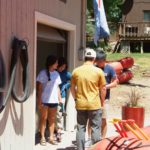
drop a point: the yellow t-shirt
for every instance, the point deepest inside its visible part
(88, 80)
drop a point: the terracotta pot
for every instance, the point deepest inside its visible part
(136, 113)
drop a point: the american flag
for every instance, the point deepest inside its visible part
(101, 26)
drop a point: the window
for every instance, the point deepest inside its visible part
(146, 15)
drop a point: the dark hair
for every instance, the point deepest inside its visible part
(49, 62)
(100, 55)
(89, 59)
(62, 61)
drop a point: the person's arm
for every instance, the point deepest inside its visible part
(73, 91)
(113, 83)
(73, 87)
(39, 95)
(102, 94)
(59, 96)
(114, 80)
(102, 88)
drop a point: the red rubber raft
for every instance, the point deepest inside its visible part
(122, 67)
(123, 143)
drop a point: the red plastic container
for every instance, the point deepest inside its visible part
(125, 76)
(135, 113)
(127, 62)
(117, 66)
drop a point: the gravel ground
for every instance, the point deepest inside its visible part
(117, 100)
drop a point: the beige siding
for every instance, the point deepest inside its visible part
(69, 12)
(17, 18)
(136, 13)
(17, 120)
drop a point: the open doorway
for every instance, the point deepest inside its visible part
(146, 46)
(50, 41)
(66, 41)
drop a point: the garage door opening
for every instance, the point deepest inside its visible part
(50, 41)
(67, 32)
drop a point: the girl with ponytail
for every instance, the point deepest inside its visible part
(48, 97)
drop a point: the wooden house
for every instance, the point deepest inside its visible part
(134, 30)
(49, 27)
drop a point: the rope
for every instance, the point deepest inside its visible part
(113, 143)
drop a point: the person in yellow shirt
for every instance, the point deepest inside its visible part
(89, 91)
(111, 82)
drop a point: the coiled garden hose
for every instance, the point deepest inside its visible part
(19, 48)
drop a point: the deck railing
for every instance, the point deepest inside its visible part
(134, 30)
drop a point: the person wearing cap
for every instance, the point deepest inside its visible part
(111, 82)
(88, 90)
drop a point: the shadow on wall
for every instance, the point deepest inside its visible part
(17, 120)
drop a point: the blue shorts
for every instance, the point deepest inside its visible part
(51, 105)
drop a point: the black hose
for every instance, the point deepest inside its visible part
(2, 72)
(19, 48)
(2, 81)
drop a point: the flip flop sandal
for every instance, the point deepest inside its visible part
(43, 142)
(53, 142)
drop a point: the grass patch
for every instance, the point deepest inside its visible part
(142, 61)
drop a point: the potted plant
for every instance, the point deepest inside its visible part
(133, 109)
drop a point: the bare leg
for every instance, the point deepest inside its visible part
(51, 120)
(89, 130)
(104, 127)
(43, 118)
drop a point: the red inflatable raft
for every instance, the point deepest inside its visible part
(122, 67)
(123, 143)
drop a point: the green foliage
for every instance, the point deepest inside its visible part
(113, 14)
(90, 7)
(112, 9)
(89, 24)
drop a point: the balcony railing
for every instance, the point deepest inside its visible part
(137, 30)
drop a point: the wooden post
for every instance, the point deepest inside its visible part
(141, 47)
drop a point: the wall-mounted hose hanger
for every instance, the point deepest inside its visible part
(20, 52)
(2, 78)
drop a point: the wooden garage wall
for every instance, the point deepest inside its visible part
(17, 18)
(69, 12)
(17, 120)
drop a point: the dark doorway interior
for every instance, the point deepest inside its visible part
(135, 47)
(146, 47)
(45, 48)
